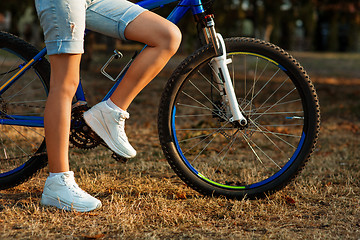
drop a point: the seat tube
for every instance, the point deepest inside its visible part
(80, 96)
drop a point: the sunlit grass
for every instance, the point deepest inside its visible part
(144, 199)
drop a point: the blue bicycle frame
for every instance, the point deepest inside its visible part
(30, 121)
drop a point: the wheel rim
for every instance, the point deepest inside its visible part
(23, 100)
(224, 155)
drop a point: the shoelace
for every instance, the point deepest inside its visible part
(72, 186)
(121, 123)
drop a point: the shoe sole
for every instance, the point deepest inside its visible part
(100, 130)
(55, 202)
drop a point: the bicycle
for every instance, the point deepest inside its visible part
(238, 118)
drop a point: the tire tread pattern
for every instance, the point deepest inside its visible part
(164, 110)
(34, 164)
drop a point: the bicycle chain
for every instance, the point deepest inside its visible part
(4, 105)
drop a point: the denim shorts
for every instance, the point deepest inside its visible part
(64, 21)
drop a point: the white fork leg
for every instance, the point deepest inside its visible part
(219, 64)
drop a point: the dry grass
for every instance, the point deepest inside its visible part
(143, 199)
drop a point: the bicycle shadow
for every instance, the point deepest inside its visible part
(19, 199)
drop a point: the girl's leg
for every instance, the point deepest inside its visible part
(63, 84)
(60, 188)
(162, 38)
(108, 119)
(63, 23)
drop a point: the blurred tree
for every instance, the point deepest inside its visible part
(272, 20)
(17, 9)
(302, 24)
(306, 13)
(337, 25)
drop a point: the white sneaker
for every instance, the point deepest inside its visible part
(61, 191)
(109, 124)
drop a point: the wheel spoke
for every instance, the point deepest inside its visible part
(207, 80)
(279, 104)
(224, 156)
(204, 106)
(25, 97)
(17, 146)
(275, 104)
(208, 135)
(262, 88)
(227, 147)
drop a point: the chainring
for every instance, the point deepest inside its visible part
(81, 135)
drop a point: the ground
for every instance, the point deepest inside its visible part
(144, 199)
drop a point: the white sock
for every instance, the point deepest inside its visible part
(114, 106)
(57, 174)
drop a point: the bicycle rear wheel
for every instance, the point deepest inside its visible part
(22, 145)
(216, 157)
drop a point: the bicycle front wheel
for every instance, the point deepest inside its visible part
(22, 145)
(216, 157)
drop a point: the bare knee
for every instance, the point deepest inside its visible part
(154, 31)
(64, 78)
(64, 90)
(171, 39)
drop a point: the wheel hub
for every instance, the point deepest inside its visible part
(222, 114)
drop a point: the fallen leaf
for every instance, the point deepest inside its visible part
(95, 236)
(181, 195)
(289, 200)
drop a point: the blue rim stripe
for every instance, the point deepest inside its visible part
(177, 144)
(283, 169)
(273, 177)
(12, 171)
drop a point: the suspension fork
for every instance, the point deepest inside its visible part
(220, 69)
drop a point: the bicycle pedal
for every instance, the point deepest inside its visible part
(119, 158)
(115, 156)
